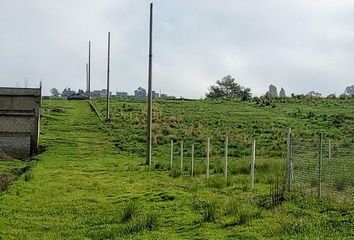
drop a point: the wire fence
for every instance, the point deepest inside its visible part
(322, 167)
(317, 166)
(219, 160)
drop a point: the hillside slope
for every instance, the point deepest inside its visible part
(82, 188)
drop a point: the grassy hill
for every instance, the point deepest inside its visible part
(91, 182)
(242, 122)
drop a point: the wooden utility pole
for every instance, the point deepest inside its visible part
(89, 71)
(149, 108)
(108, 62)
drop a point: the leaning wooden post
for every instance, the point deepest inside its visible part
(253, 162)
(181, 156)
(171, 161)
(289, 162)
(208, 160)
(226, 158)
(192, 169)
(320, 166)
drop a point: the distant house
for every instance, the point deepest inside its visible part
(67, 92)
(122, 94)
(273, 92)
(100, 93)
(155, 95)
(163, 96)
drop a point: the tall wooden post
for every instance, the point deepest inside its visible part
(108, 70)
(149, 108)
(89, 71)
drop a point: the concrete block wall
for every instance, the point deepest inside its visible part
(16, 144)
(19, 121)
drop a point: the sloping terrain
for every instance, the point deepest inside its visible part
(82, 187)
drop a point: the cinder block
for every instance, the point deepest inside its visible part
(16, 145)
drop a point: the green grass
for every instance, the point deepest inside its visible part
(89, 178)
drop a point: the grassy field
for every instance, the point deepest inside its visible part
(240, 121)
(91, 182)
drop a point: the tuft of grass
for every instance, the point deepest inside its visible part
(147, 222)
(175, 173)
(209, 212)
(217, 182)
(28, 176)
(206, 208)
(242, 215)
(129, 211)
(5, 181)
(339, 185)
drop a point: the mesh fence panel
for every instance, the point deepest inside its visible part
(322, 168)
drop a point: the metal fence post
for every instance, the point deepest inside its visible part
(171, 161)
(181, 156)
(253, 162)
(192, 170)
(208, 150)
(289, 162)
(226, 157)
(320, 166)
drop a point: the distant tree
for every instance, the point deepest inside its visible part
(349, 91)
(228, 88)
(80, 91)
(54, 92)
(331, 96)
(245, 94)
(343, 96)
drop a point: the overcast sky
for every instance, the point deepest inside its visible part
(300, 45)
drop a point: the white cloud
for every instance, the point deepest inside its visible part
(300, 45)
